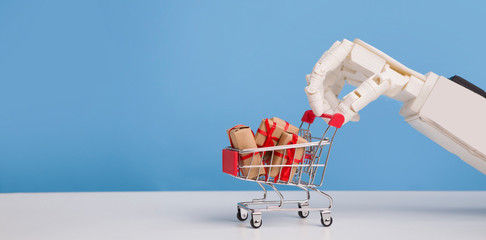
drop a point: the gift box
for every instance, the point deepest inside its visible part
(292, 156)
(269, 133)
(271, 129)
(241, 137)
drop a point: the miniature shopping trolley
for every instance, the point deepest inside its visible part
(306, 174)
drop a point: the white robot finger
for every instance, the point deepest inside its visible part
(367, 92)
(333, 58)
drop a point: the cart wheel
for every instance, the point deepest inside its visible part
(327, 222)
(241, 216)
(303, 214)
(255, 223)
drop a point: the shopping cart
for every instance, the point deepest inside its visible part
(307, 174)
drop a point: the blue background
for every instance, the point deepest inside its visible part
(137, 95)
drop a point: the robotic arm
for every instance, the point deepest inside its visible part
(451, 112)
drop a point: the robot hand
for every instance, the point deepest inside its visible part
(428, 99)
(361, 65)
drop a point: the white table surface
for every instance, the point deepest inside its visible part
(212, 215)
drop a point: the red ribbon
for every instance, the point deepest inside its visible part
(285, 172)
(269, 140)
(287, 124)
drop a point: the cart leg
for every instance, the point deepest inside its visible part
(264, 194)
(307, 194)
(278, 193)
(325, 195)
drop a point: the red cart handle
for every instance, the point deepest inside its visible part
(337, 119)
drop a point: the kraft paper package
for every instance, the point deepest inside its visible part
(241, 137)
(276, 127)
(292, 157)
(269, 132)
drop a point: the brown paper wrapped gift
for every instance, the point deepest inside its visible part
(241, 137)
(292, 157)
(274, 127)
(286, 126)
(270, 131)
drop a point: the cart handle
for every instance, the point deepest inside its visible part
(337, 119)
